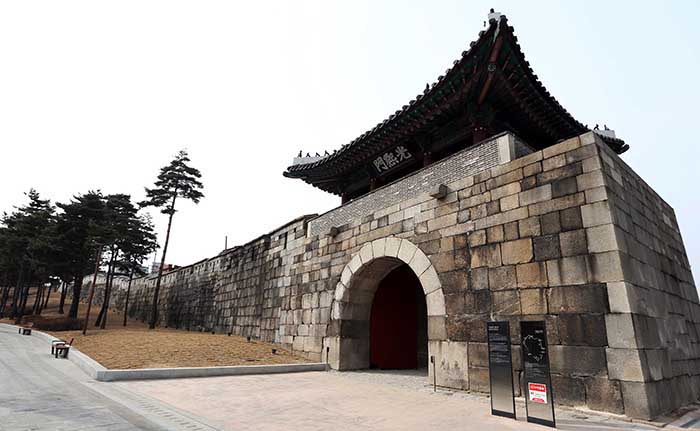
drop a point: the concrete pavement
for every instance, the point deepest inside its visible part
(38, 392)
(353, 401)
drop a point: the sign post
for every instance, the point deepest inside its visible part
(539, 399)
(500, 369)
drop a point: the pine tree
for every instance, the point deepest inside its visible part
(26, 248)
(176, 180)
(136, 245)
(80, 231)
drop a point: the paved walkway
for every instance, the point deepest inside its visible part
(38, 392)
(331, 401)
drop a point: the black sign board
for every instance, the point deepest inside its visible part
(500, 369)
(539, 399)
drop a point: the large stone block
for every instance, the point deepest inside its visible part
(533, 301)
(627, 364)
(596, 214)
(506, 302)
(569, 391)
(554, 162)
(454, 303)
(645, 400)
(632, 331)
(603, 394)
(564, 186)
(487, 255)
(578, 360)
(590, 298)
(604, 238)
(582, 329)
(419, 263)
(495, 234)
(442, 222)
(550, 223)
(455, 281)
(511, 231)
(435, 303)
(479, 379)
(531, 274)
(571, 219)
(451, 370)
(537, 194)
(478, 355)
(573, 242)
(557, 204)
(437, 329)
(529, 227)
(477, 238)
(566, 171)
(443, 262)
(569, 271)
(519, 251)
(502, 277)
(546, 247)
(479, 278)
(562, 147)
(606, 267)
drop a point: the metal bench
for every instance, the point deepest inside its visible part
(25, 330)
(61, 348)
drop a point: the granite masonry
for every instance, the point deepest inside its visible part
(569, 235)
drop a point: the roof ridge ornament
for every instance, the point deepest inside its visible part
(494, 16)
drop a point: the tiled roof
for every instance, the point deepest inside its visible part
(537, 108)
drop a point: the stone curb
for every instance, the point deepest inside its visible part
(176, 373)
(98, 372)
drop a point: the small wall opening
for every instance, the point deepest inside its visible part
(399, 322)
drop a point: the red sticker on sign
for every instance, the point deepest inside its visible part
(537, 392)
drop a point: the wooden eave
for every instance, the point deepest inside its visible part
(493, 71)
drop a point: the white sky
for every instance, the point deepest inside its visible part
(100, 95)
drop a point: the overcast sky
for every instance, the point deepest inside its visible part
(100, 95)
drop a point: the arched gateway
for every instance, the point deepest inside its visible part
(377, 317)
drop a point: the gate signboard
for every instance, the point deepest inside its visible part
(500, 369)
(539, 400)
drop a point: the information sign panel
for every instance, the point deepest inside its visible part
(539, 400)
(500, 369)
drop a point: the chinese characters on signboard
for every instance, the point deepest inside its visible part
(391, 159)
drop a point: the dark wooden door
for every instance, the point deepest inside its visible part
(393, 322)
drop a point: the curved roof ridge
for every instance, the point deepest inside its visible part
(497, 27)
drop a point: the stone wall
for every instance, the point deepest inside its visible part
(654, 321)
(496, 150)
(569, 235)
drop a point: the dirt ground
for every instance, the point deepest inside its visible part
(135, 346)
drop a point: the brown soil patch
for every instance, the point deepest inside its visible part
(135, 346)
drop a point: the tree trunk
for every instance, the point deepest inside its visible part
(16, 297)
(24, 296)
(101, 314)
(48, 296)
(128, 292)
(38, 298)
(98, 259)
(5, 297)
(62, 302)
(154, 313)
(75, 300)
(108, 293)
